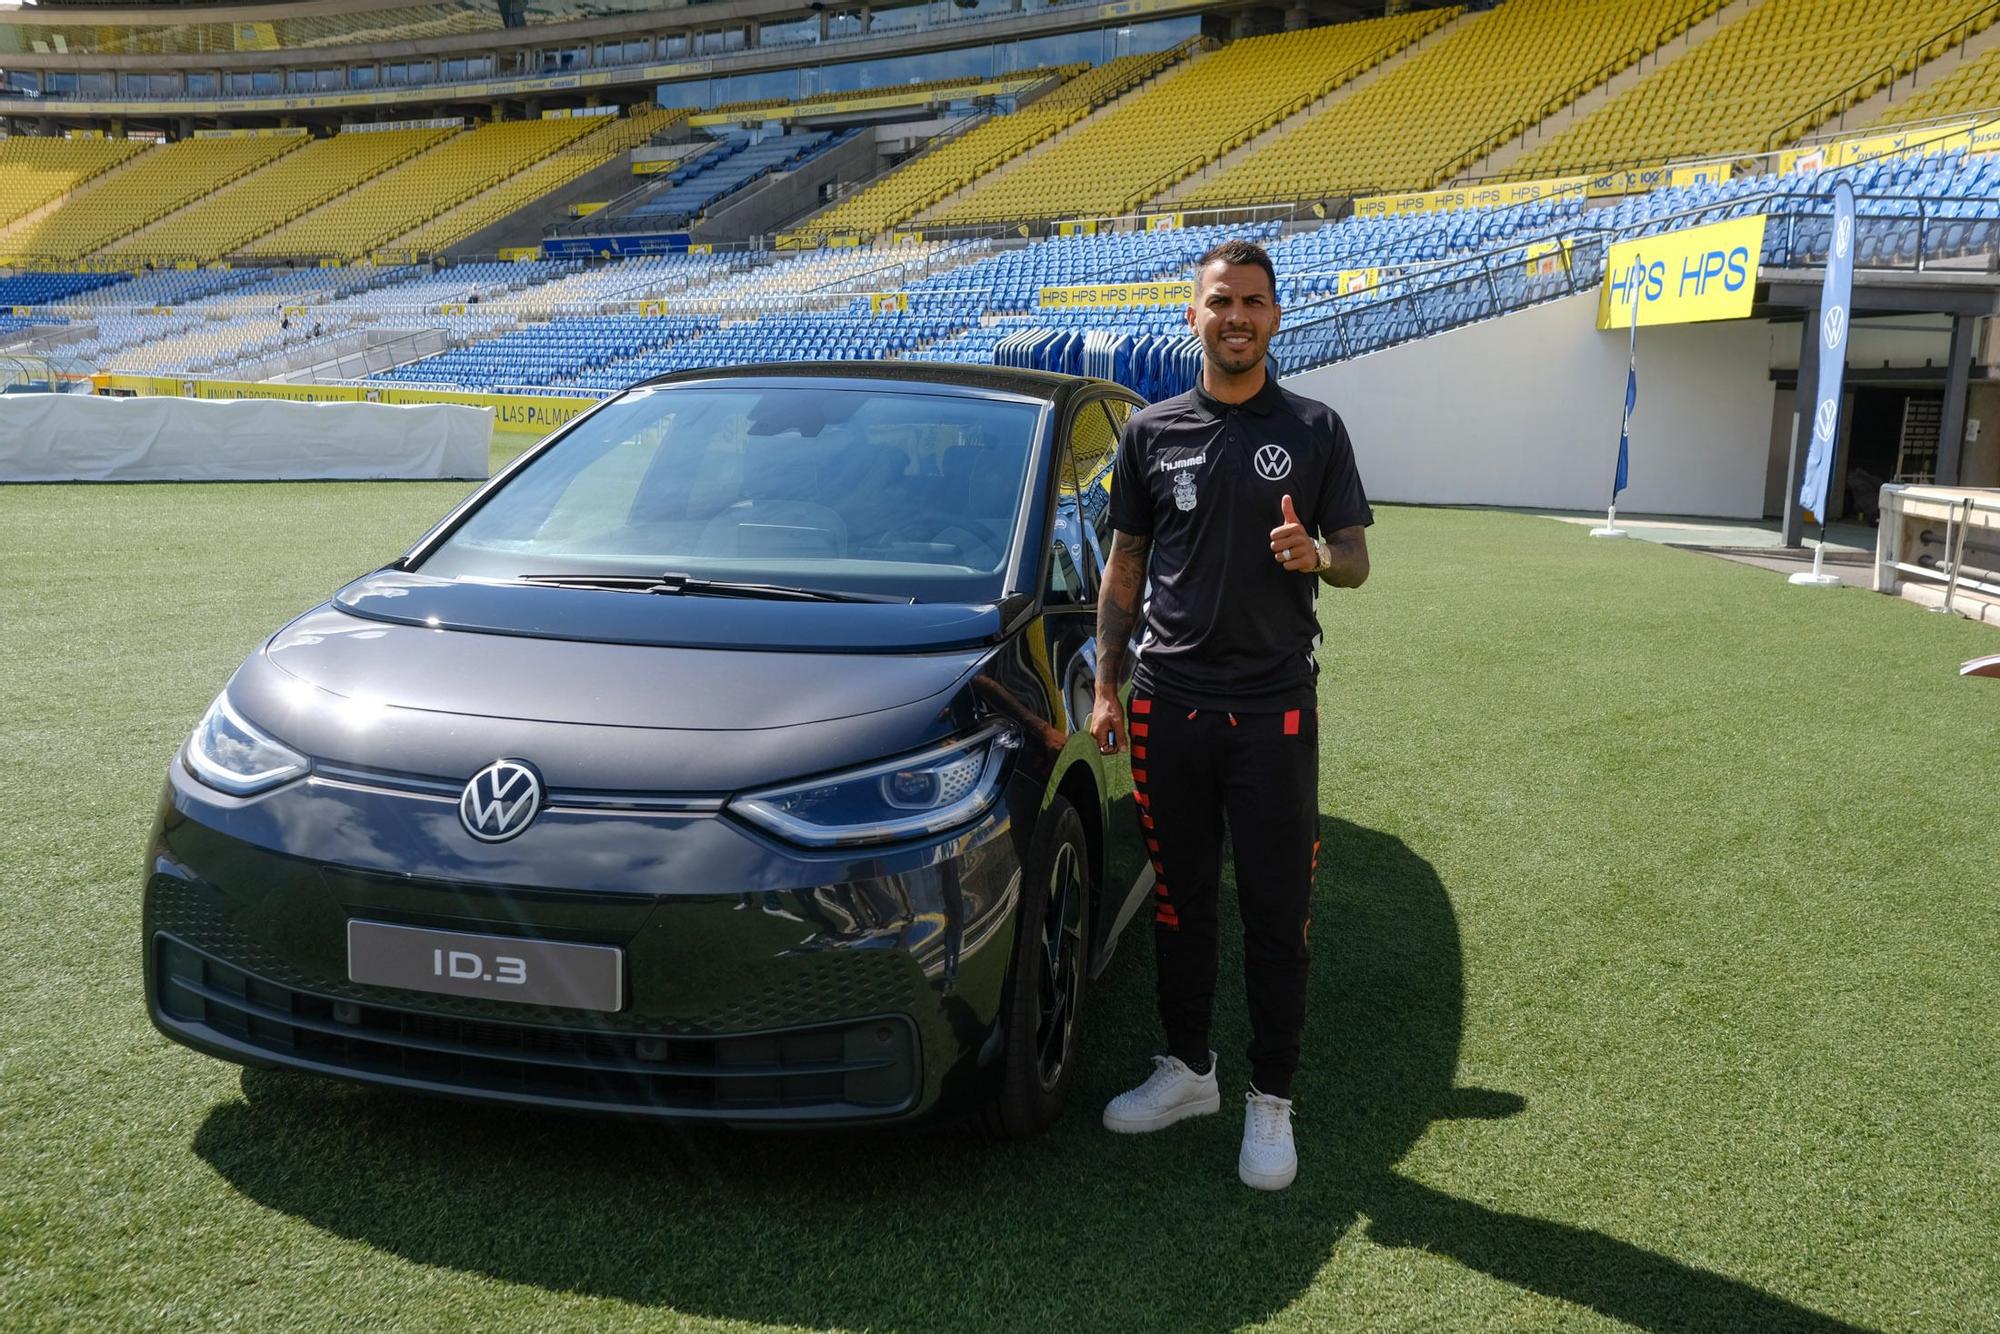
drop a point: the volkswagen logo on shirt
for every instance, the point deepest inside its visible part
(501, 800)
(1273, 463)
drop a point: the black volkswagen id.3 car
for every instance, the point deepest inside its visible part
(724, 757)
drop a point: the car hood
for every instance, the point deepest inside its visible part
(602, 616)
(377, 665)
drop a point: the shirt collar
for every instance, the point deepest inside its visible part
(1264, 402)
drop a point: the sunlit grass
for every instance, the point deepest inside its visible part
(1655, 981)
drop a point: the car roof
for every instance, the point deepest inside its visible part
(967, 378)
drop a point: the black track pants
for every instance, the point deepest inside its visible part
(1191, 770)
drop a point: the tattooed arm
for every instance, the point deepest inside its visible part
(1117, 614)
(1346, 557)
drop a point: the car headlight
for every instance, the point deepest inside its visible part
(228, 753)
(925, 793)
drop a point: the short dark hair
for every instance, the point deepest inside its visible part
(1239, 252)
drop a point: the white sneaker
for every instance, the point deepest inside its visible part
(1171, 1093)
(1268, 1161)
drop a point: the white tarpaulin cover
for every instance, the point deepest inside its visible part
(85, 438)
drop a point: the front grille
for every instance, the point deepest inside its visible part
(855, 1068)
(791, 990)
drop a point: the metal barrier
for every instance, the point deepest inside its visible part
(1901, 233)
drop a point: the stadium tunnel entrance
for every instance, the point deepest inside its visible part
(1921, 401)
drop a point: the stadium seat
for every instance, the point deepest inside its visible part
(1149, 140)
(1455, 101)
(405, 197)
(949, 166)
(1770, 77)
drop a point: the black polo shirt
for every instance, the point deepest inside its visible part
(1224, 626)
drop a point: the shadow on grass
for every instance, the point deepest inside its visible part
(934, 1228)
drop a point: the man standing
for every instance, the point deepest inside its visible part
(1230, 506)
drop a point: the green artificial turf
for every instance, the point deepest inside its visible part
(1655, 982)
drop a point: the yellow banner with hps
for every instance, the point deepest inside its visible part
(888, 303)
(1702, 273)
(1105, 296)
(1468, 196)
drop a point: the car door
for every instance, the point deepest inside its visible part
(1090, 445)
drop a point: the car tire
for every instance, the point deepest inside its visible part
(1043, 1008)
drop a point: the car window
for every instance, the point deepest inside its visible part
(1068, 555)
(860, 490)
(1099, 477)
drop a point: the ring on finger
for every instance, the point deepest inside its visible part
(1286, 554)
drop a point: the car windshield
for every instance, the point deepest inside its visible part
(864, 491)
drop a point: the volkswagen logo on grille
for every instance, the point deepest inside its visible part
(500, 801)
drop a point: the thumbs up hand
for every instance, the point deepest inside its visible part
(1291, 546)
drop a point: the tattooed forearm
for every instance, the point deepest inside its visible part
(1349, 549)
(1118, 606)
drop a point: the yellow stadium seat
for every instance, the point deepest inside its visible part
(1973, 86)
(1451, 104)
(272, 196)
(34, 172)
(1772, 76)
(952, 165)
(590, 152)
(1145, 143)
(405, 197)
(154, 184)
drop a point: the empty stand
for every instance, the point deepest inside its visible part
(951, 165)
(273, 195)
(1974, 86)
(547, 354)
(727, 168)
(826, 278)
(640, 278)
(36, 172)
(1147, 141)
(1773, 75)
(151, 186)
(44, 289)
(1446, 106)
(517, 191)
(404, 198)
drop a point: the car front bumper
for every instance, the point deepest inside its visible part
(762, 984)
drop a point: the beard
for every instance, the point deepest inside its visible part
(1233, 361)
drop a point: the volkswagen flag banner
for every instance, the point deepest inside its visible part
(1619, 482)
(1834, 302)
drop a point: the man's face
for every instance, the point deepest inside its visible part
(1235, 312)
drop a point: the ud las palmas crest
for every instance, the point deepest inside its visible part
(1184, 490)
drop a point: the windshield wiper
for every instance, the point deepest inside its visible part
(711, 588)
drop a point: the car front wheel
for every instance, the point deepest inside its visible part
(1046, 982)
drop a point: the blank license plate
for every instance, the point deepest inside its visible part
(504, 968)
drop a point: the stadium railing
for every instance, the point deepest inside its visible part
(1893, 231)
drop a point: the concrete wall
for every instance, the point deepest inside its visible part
(1523, 411)
(1979, 465)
